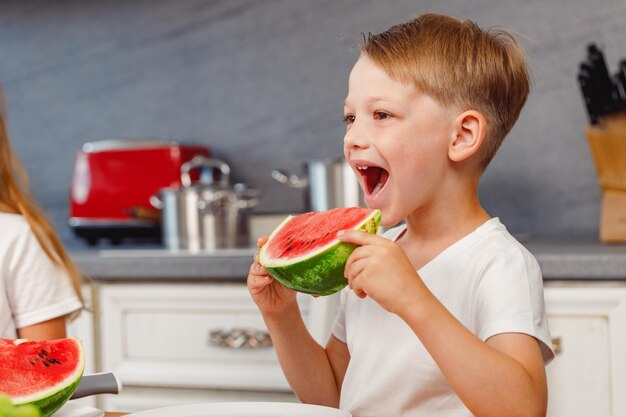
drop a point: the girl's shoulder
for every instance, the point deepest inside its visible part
(13, 225)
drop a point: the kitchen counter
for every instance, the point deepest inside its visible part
(147, 264)
(559, 260)
(579, 260)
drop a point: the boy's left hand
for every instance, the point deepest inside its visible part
(379, 268)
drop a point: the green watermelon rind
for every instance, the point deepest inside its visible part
(54, 398)
(52, 403)
(323, 273)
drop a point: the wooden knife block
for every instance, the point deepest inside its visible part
(607, 142)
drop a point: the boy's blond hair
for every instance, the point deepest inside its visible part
(458, 64)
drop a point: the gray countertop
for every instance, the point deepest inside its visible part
(159, 264)
(559, 260)
(579, 260)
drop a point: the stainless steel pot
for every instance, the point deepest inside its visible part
(205, 215)
(225, 217)
(328, 183)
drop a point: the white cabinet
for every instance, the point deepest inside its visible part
(183, 342)
(157, 338)
(83, 328)
(588, 326)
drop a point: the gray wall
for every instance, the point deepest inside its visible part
(262, 82)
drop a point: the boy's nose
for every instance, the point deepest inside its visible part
(355, 137)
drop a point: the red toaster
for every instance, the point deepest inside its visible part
(112, 184)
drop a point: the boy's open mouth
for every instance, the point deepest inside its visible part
(374, 177)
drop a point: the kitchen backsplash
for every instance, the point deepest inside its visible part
(262, 82)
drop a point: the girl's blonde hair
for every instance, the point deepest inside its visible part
(458, 64)
(15, 198)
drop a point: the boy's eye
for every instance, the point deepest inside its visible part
(348, 119)
(381, 115)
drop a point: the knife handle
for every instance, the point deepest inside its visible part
(102, 383)
(620, 76)
(589, 96)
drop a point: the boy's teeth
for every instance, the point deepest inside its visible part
(377, 188)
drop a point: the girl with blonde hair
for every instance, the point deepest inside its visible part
(39, 283)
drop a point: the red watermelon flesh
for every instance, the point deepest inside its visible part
(304, 254)
(43, 373)
(313, 230)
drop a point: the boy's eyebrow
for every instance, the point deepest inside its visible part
(372, 99)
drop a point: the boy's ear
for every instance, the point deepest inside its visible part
(469, 135)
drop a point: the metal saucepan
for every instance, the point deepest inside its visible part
(206, 215)
(329, 183)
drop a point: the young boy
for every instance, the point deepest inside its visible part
(444, 316)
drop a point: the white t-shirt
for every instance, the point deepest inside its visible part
(487, 280)
(32, 288)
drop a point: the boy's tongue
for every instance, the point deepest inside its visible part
(375, 179)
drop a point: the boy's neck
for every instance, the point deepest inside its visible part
(433, 229)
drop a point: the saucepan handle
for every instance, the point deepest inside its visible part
(290, 180)
(200, 161)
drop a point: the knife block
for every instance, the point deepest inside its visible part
(607, 142)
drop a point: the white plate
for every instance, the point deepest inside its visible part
(243, 409)
(76, 410)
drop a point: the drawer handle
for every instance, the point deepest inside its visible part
(238, 338)
(557, 346)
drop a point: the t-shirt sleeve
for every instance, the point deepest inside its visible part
(339, 326)
(37, 289)
(510, 299)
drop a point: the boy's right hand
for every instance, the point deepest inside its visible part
(269, 295)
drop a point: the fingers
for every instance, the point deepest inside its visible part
(359, 253)
(258, 277)
(262, 240)
(258, 282)
(353, 274)
(257, 269)
(356, 268)
(359, 237)
(355, 265)
(360, 293)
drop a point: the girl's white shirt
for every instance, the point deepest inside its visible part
(487, 280)
(32, 288)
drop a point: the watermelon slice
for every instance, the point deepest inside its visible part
(44, 374)
(304, 254)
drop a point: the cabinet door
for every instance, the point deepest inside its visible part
(578, 378)
(188, 336)
(588, 327)
(83, 328)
